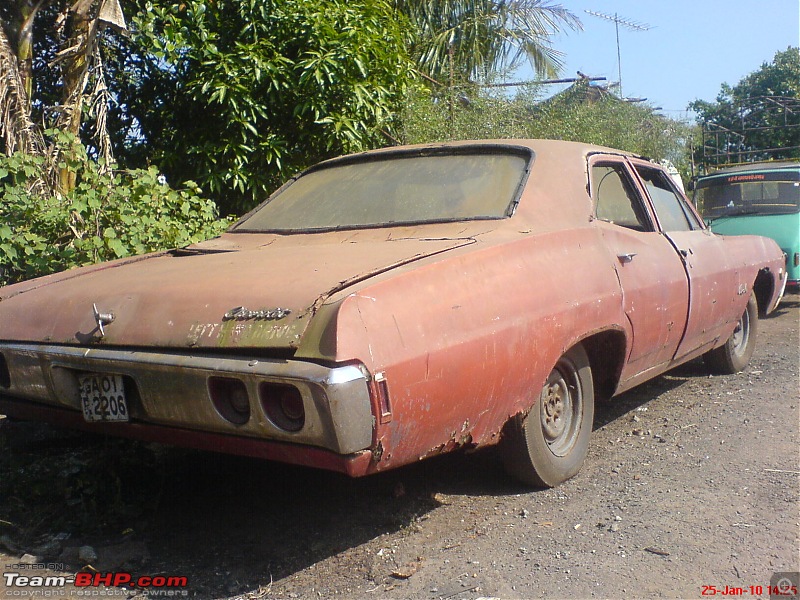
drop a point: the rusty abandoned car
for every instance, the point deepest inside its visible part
(393, 305)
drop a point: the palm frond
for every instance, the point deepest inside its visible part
(100, 100)
(16, 128)
(472, 36)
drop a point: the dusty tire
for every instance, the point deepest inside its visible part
(548, 445)
(734, 355)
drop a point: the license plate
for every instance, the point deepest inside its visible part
(103, 397)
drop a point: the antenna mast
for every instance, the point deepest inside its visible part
(627, 23)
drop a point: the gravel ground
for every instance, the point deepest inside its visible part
(690, 490)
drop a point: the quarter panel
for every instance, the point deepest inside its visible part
(467, 341)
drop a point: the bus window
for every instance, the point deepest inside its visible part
(750, 192)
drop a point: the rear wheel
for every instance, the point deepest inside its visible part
(734, 355)
(548, 445)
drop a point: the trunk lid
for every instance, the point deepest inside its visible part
(237, 291)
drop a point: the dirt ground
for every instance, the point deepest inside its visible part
(691, 490)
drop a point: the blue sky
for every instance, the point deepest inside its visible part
(692, 48)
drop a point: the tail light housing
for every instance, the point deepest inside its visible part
(230, 398)
(283, 405)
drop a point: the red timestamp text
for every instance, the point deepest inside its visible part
(752, 590)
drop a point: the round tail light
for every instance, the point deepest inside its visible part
(230, 398)
(283, 405)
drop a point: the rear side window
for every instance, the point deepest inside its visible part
(615, 199)
(670, 206)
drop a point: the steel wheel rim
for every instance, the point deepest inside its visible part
(560, 409)
(741, 334)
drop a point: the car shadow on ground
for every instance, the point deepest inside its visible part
(231, 524)
(258, 522)
(790, 300)
(615, 408)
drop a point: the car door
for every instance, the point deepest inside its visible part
(655, 289)
(713, 284)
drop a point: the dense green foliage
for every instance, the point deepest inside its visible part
(758, 118)
(240, 94)
(108, 215)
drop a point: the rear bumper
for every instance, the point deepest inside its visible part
(169, 401)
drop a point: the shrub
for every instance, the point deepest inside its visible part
(109, 214)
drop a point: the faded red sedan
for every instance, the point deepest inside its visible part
(389, 306)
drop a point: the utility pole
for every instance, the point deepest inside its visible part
(628, 24)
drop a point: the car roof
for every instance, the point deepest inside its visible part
(537, 145)
(559, 199)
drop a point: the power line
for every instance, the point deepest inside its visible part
(541, 82)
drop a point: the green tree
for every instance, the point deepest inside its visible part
(241, 94)
(55, 76)
(757, 119)
(64, 203)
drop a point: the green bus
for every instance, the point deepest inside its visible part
(759, 199)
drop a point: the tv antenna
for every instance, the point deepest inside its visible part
(628, 24)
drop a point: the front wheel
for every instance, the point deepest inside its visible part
(734, 355)
(548, 445)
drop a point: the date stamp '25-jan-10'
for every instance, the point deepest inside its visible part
(781, 585)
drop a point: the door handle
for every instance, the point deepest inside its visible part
(626, 258)
(686, 253)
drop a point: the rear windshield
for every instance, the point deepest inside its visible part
(749, 193)
(395, 189)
